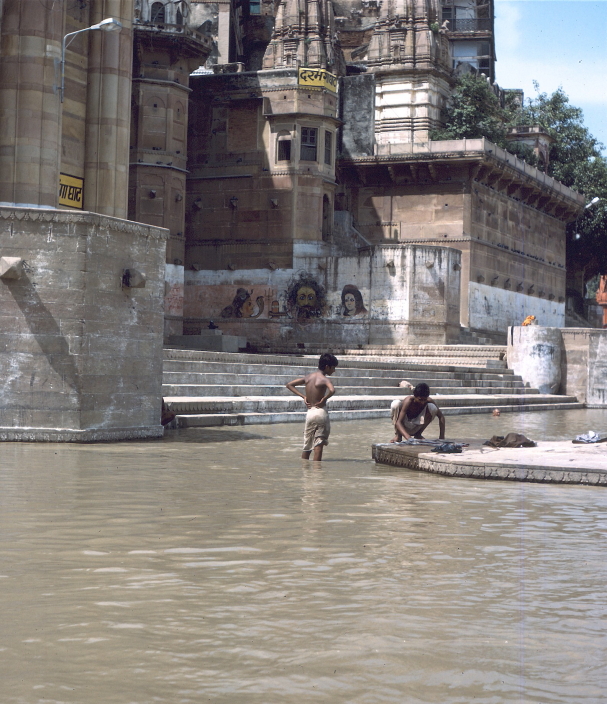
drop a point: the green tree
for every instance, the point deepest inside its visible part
(576, 159)
(473, 111)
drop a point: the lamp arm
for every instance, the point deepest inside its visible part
(64, 46)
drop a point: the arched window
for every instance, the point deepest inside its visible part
(158, 13)
(179, 17)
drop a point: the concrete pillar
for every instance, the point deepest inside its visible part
(534, 353)
(29, 101)
(108, 111)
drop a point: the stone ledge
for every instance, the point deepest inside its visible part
(71, 435)
(549, 462)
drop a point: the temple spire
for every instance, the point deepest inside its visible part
(304, 35)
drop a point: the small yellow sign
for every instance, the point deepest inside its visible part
(317, 77)
(71, 191)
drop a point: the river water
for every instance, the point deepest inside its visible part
(217, 566)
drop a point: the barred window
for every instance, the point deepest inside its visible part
(309, 139)
(284, 150)
(157, 13)
(328, 147)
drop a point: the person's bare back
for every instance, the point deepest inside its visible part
(319, 390)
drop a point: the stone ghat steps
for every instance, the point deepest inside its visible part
(460, 355)
(202, 420)
(342, 389)
(219, 388)
(220, 363)
(347, 377)
(281, 404)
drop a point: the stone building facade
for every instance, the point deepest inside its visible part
(81, 287)
(289, 175)
(276, 156)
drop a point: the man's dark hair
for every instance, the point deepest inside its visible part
(327, 360)
(421, 390)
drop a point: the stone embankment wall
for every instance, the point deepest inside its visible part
(571, 361)
(584, 365)
(80, 352)
(383, 295)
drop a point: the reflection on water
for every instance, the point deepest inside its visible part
(216, 565)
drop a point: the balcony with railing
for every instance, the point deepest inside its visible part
(176, 32)
(484, 24)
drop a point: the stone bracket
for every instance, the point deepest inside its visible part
(11, 268)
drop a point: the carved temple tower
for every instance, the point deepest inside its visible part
(410, 56)
(261, 187)
(304, 35)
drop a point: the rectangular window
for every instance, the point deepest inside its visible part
(284, 150)
(328, 147)
(255, 7)
(309, 139)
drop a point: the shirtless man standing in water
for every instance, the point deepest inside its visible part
(319, 390)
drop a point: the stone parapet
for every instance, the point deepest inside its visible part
(584, 365)
(80, 351)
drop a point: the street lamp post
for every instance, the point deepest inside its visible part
(108, 25)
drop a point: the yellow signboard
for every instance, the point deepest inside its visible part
(317, 77)
(71, 190)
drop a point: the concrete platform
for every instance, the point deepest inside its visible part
(549, 462)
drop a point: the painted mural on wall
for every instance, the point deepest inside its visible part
(301, 299)
(352, 301)
(242, 305)
(306, 298)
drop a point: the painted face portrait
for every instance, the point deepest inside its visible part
(248, 308)
(306, 297)
(243, 306)
(352, 301)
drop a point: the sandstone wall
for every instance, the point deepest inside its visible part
(384, 295)
(80, 354)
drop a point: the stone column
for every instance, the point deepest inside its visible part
(108, 111)
(534, 353)
(30, 102)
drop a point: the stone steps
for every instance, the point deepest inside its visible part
(257, 418)
(282, 404)
(218, 388)
(458, 355)
(247, 373)
(244, 390)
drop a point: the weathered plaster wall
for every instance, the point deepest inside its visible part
(357, 101)
(389, 295)
(80, 355)
(584, 365)
(492, 308)
(513, 255)
(534, 353)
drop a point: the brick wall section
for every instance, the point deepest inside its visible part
(80, 356)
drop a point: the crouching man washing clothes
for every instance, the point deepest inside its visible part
(413, 414)
(319, 390)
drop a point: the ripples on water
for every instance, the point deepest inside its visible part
(215, 565)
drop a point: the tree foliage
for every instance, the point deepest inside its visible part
(576, 157)
(474, 111)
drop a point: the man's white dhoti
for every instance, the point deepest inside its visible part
(317, 428)
(412, 425)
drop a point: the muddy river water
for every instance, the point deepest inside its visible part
(217, 566)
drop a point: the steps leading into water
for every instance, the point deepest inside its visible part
(220, 388)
